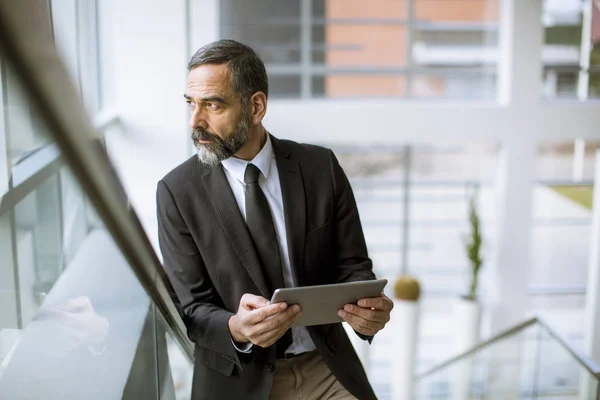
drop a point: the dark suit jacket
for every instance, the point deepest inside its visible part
(211, 262)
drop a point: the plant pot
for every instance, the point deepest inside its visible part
(467, 321)
(405, 324)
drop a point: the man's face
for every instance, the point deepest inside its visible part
(220, 125)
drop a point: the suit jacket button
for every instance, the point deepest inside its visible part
(270, 367)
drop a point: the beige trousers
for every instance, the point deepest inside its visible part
(306, 377)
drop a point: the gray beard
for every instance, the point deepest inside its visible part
(206, 156)
(212, 154)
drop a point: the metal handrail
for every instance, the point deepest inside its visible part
(586, 362)
(25, 38)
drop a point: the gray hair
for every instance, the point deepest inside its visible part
(248, 73)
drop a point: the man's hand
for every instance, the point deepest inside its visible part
(260, 322)
(368, 316)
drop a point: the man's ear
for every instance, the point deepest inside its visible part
(257, 107)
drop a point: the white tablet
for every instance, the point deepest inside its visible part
(320, 304)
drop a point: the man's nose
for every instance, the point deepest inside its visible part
(197, 120)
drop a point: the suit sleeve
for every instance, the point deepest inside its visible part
(207, 324)
(353, 262)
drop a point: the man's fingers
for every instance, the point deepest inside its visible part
(252, 301)
(261, 314)
(360, 324)
(276, 321)
(267, 338)
(383, 303)
(367, 313)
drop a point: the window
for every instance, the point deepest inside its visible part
(383, 48)
(565, 55)
(76, 37)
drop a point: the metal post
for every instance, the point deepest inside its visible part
(406, 209)
(409, 47)
(306, 48)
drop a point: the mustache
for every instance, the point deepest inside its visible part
(202, 134)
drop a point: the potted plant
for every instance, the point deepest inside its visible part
(467, 309)
(405, 325)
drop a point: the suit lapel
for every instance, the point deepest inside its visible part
(294, 205)
(233, 224)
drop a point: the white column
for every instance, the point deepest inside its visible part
(405, 323)
(511, 258)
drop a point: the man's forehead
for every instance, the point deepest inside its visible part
(210, 77)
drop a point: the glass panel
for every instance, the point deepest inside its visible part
(75, 34)
(530, 364)
(175, 370)
(364, 45)
(560, 376)
(475, 11)
(560, 241)
(351, 39)
(341, 11)
(39, 255)
(442, 179)
(493, 372)
(271, 27)
(24, 133)
(455, 84)
(75, 322)
(358, 85)
(74, 218)
(65, 29)
(284, 86)
(8, 293)
(4, 172)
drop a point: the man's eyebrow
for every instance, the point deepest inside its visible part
(216, 99)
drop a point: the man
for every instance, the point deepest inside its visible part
(251, 213)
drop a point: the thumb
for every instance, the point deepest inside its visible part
(253, 301)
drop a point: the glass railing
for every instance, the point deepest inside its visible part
(529, 361)
(84, 310)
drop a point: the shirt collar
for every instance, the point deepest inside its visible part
(262, 160)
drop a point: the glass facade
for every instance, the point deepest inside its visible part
(75, 321)
(342, 49)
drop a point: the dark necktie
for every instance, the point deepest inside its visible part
(262, 230)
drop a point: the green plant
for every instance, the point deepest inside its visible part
(473, 245)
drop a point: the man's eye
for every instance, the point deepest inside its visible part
(212, 106)
(190, 104)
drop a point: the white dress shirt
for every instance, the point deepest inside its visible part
(268, 180)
